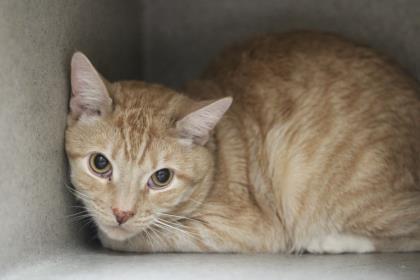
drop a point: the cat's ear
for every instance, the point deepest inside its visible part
(89, 92)
(198, 124)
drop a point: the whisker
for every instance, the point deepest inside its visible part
(76, 214)
(78, 206)
(80, 221)
(156, 233)
(142, 222)
(83, 197)
(162, 222)
(88, 223)
(77, 193)
(164, 227)
(96, 209)
(80, 218)
(176, 223)
(161, 227)
(148, 239)
(181, 217)
(130, 243)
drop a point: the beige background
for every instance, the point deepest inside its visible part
(161, 41)
(37, 39)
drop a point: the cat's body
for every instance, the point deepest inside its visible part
(319, 152)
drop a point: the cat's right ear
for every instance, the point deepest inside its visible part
(89, 92)
(198, 124)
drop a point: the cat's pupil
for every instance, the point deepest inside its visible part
(101, 162)
(163, 175)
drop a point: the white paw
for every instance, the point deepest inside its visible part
(340, 243)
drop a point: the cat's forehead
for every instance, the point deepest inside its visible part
(142, 106)
(137, 94)
(142, 114)
(142, 117)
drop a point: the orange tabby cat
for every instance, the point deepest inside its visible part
(316, 148)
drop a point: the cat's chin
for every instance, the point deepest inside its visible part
(117, 232)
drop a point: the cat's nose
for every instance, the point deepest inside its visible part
(122, 216)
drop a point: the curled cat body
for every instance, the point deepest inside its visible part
(298, 142)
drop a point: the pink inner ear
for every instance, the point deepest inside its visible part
(198, 124)
(75, 105)
(89, 93)
(79, 70)
(84, 77)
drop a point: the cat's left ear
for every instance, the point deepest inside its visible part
(89, 92)
(198, 124)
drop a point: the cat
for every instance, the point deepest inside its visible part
(296, 142)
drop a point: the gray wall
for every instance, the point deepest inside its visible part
(182, 35)
(168, 41)
(37, 39)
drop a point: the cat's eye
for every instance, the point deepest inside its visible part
(160, 178)
(100, 165)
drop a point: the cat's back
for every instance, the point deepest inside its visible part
(321, 116)
(302, 62)
(313, 80)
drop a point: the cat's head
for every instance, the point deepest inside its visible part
(138, 153)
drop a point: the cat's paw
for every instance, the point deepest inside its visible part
(340, 243)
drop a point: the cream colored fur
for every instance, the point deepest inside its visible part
(319, 152)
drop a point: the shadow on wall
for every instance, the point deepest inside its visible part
(182, 36)
(37, 40)
(161, 41)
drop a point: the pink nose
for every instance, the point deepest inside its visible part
(122, 216)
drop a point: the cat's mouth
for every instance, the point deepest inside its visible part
(118, 232)
(124, 231)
